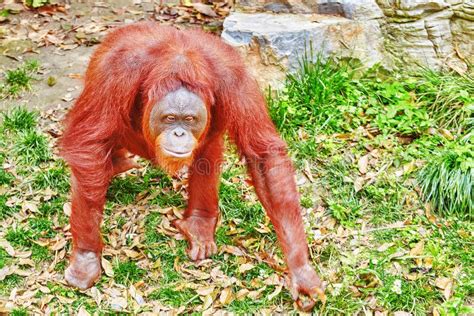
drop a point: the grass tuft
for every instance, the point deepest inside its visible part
(448, 181)
(127, 272)
(448, 96)
(32, 148)
(19, 119)
(19, 79)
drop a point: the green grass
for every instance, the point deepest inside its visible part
(127, 272)
(56, 178)
(19, 79)
(175, 298)
(19, 119)
(6, 210)
(448, 96)
(448, 181)
(32, 148)
(36, 3)
(331, 115)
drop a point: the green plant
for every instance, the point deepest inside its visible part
(32, 147)
(448, 96)
(19, 119)
(54, 178)
(127, 272)
(5, 210)
(19, 79)
(35, 3)
(6, 178)
(448, 181)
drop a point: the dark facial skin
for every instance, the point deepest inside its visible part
(179, 119)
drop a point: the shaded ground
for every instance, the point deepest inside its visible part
(67, 69)
(62, 38)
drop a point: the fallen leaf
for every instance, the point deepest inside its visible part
(67, 209)
(227, 296)
(232, 250)
(136, 295)
(359, 183)
(363, 164)
(241, 294)
(207, 302)
(204, 291)
(118, 303)
(107, 266)
(82, 312)
(29, 206)
(246, 267)
(446, 284)
(418, 249)
(96, 295)
(275, 293)
(7, 247)
(4, 272)
(59, 245)
(385, 246)
(204, 9)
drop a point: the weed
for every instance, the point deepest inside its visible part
(19, 119)
(19, 79)
(448, 181)
(448, 96)
(55, 178)
(127, 272)
(36, 3)
(6, 178)
(170, 296)
(6, 210)
(32, 148)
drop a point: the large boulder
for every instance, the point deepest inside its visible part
(438, 34)
(274, 44)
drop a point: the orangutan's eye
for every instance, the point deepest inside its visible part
(170, 118)
(189, 118)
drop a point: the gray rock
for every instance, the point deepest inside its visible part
(437, 34)
(274, 43)
(356, 10)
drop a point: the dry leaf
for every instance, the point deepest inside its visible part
(29, 206)
(107, 266)
(359, 183)
(96, 295)
(136, 295)
(232, 250)
(204, 9)
(227, 296)
(446, 284)
(275, 293)
(67, 209)
(59, 245)
(204, 291)
(246, 267)
(385, 246)
(418, 249)
(82, 312)
(4, 272)
(363, 164)
(241, 294)
(8, 248)
(118, 303)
